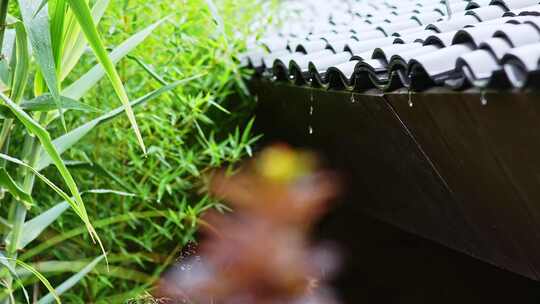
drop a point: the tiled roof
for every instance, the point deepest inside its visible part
(389, 44)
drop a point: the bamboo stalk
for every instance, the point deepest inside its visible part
(18, 209)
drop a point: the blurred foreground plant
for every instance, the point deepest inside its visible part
(261, 254)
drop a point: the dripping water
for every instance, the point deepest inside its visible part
(483, 99)
(311, 109)
(409, 93)
(353, 100)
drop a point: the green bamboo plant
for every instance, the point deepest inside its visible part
(39, 50)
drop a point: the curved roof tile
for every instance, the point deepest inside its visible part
(388, 44)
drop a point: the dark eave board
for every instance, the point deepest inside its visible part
(443, 165)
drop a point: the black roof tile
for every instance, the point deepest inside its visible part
(360, 44)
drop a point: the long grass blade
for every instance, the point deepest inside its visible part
(101, 223)
(38, 275)
(36, 22)
(69, 139)
(82, 12)
(4, 261)
(34, 227)
(74, 266)
(82, 85)
(71, 281)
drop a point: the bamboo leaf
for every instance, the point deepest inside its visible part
(81, 86)
(33, 127)
(34, 227)
(18, 193)
(36, 22)
(46, 103)
(56, 189)
(82, 12)
(22, 64)
(72, 281)
(75, 43)
(69, 139)
(48, 146)
(57, 31)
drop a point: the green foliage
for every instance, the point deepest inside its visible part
(201, 124)
(43, 44)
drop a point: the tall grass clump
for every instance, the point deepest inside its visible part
(153, 201)
(45, 111)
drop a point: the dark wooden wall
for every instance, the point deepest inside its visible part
(440, 164)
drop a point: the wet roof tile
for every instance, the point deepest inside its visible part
(361, 44)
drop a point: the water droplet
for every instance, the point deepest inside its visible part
(311, 110)
(353, 100)
(274, 78)
(310, 130)
(311, 98)
(410, 98)
(483, 99)
(291, 77)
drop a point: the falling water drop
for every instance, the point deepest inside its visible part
(274, 78)
(291, 77)
(310, 130)
(410, 98)
(483, 99)
(353, 100)
(311, 110)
